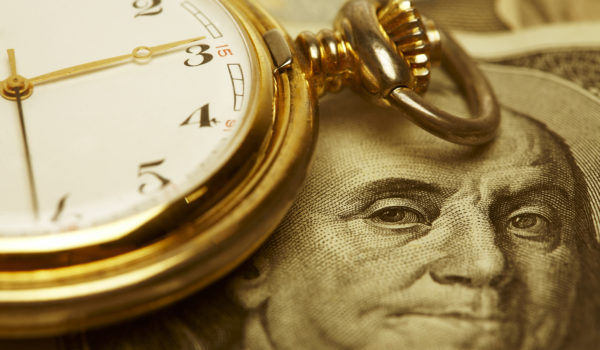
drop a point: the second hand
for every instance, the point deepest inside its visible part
(18, 83)
(34, 197)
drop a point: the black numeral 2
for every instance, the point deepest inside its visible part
(147, 7)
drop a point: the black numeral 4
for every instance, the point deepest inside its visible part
(201, 118)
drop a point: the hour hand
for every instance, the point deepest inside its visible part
(140, 54)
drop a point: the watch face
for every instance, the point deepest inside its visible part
(116, 139)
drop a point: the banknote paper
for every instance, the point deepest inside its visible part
(517, 14)
(570, 55)
(402, 241)
(500, 15)
(570, 51)
(467, 15)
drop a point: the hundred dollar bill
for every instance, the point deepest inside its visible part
(474, 15)
(300, 15)
(518, 14)
(403, 241)
(570, 51)
(502, 15)
(467, 15)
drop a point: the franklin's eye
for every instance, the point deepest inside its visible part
(529, 226)
(397, 217)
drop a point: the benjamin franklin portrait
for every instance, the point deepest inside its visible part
(400, 240)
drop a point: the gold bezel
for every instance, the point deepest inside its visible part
(171, 251)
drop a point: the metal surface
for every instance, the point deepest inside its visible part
(480, 97)
(279, 48)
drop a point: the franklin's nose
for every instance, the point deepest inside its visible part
(474, 257)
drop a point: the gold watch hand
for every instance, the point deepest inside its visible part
(12, 61)
(19, 85)
(140, 53)
(15, 83)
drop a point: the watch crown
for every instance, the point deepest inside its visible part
(415, 38)
(374, 48)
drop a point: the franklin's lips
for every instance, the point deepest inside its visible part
(455, 315)
(449, 322)
(457, 304)
(466, 314)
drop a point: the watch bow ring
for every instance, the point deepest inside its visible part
(145, 159)
(385, 50)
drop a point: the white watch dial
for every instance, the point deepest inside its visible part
(119, 140)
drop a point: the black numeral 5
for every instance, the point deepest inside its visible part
(145, 169)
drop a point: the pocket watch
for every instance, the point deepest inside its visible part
(149, 146)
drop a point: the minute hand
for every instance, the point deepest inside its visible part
(141, 53)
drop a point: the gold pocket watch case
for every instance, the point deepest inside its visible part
(176, 139)
(63, 271)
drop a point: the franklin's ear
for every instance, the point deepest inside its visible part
(249, 285)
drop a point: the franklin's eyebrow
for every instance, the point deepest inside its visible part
(531, 179)
(367, 192)
(527, 189)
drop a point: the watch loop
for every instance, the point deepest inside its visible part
(385, 50)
